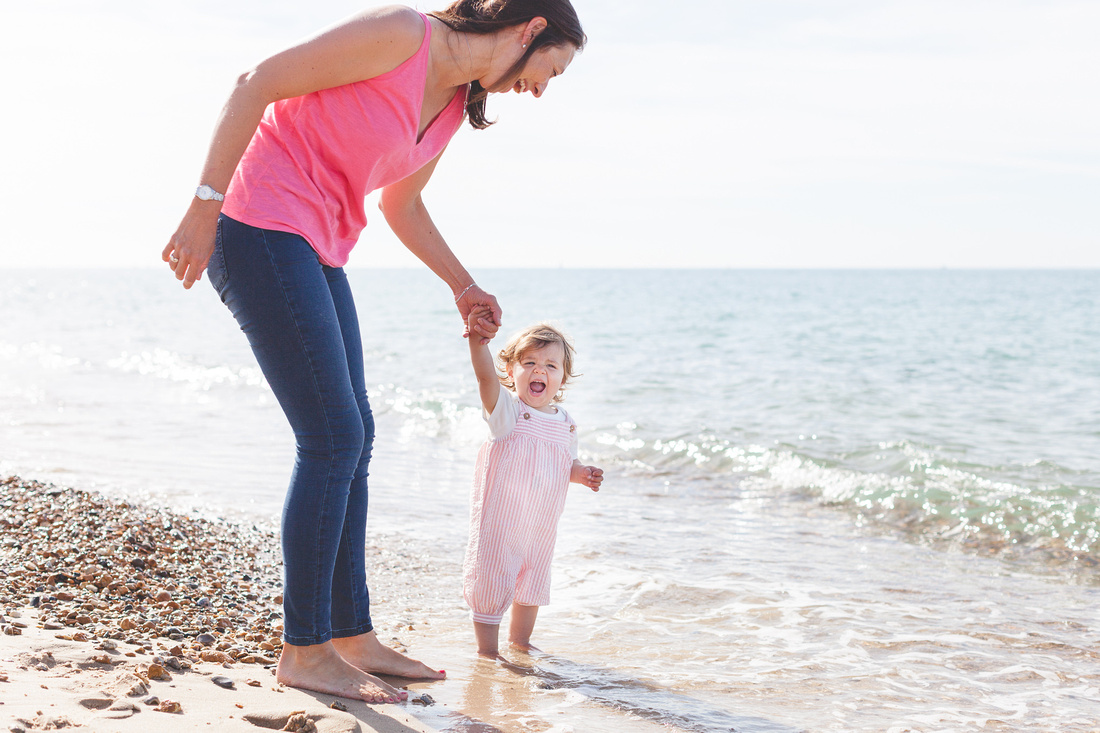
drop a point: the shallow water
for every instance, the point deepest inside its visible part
(835, 501)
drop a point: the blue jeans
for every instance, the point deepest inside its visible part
(300, 319)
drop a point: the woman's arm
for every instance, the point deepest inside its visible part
(358, 48)
(403, 207)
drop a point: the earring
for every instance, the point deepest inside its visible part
(524, 45)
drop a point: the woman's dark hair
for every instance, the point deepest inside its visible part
(488, 16)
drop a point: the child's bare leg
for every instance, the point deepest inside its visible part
(523, 623)
(487, 639)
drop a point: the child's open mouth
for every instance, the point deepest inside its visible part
(536, 387)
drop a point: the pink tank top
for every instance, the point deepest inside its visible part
(314, 158)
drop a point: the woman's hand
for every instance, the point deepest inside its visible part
(189, 249)
(483, 327)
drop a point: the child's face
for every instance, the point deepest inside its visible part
(538, 374)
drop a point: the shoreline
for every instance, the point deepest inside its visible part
(118, 617)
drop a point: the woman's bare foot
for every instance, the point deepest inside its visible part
(370, 655)
(321, 668)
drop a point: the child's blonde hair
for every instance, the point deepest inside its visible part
(533, 338)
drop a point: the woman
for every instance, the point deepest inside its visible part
(367, 104)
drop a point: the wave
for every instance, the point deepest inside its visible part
(48, 357)
(641, 699)
(1036, 513)
(1039, 512)
(168, 365)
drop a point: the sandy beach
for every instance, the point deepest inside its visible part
(119, 617)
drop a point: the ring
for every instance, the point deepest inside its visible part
(173, 259)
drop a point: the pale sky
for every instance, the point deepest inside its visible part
(771, 133)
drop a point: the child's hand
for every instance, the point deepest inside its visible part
(485, 328)
(480, 321)
(589, 476)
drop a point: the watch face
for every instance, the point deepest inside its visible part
(205, 192)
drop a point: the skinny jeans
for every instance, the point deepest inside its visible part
(300, 320)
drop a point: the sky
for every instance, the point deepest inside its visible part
(724, 133)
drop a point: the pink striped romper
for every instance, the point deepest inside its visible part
(519, 491)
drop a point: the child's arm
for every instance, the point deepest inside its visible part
(589, 476)
(488, 383)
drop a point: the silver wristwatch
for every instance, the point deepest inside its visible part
(206, 192)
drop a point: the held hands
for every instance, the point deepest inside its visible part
(478, 321)
(480, 314)
(589, 476)
(189, 249)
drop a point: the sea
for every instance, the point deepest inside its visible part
(834, 500)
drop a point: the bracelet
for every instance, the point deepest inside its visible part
(464, 291)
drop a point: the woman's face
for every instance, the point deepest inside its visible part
(541, 67)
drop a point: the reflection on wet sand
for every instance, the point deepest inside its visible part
(490, 693)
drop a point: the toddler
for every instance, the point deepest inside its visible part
(523, 472)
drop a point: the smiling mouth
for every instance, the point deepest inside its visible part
(520, 86)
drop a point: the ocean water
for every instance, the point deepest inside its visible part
(834, 500)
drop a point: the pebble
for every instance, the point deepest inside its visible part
(222, 681)
(100, 569)
(300, 723)
(159, 673)
(256, 659)
(121, 709)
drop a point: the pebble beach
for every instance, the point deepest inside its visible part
(113, 613)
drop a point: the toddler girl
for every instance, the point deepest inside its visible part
(523, 473)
